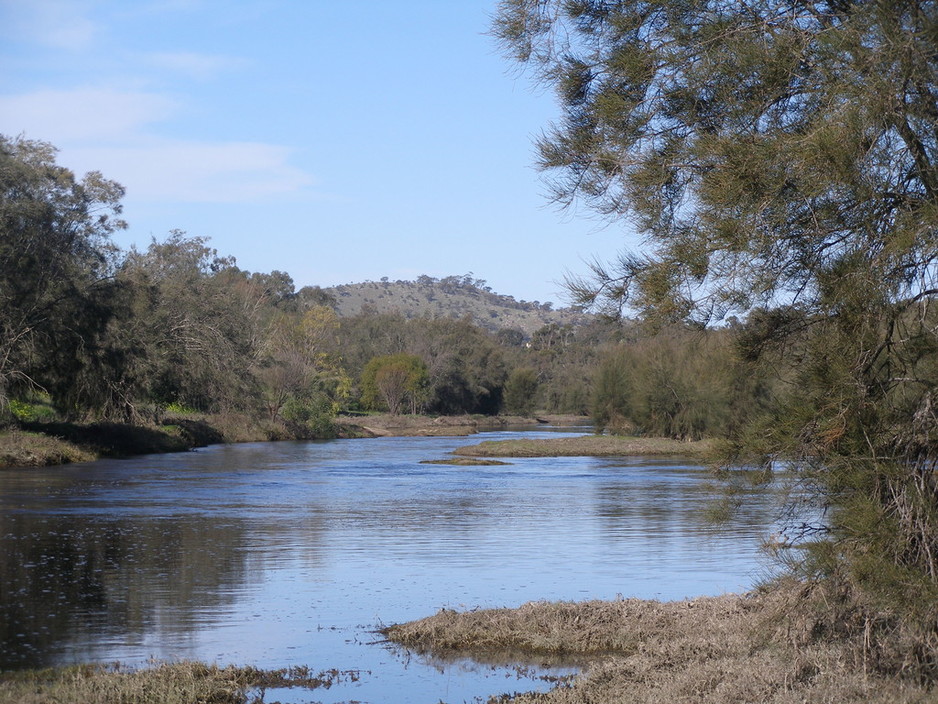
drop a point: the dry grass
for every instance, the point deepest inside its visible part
(720, 650)
(585, 446)
(177, 683)
(26, 449)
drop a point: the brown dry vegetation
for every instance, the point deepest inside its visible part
(25, 449)
(585, 446)
(761, 647)
(176, 683)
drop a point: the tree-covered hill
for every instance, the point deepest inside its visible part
(450, 297)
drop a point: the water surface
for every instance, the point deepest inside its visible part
(286, 553)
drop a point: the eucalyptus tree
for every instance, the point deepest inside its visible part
(56, 262)
(197, 324)
(779, 160)
(396, 382)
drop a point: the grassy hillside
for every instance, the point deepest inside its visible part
(453, 296)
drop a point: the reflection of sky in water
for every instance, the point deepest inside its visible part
(294, 553)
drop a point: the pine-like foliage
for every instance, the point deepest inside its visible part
(781, 161)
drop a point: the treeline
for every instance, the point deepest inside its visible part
(684, 383)
(96, 333)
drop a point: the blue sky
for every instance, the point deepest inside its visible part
(338, 142)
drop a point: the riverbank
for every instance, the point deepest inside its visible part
(386, 425)
(165, 683)
(42, 444)
(773, 647)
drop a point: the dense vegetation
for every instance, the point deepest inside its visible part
(93, 333)
(780, 160)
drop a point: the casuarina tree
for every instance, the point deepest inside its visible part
(780, 162)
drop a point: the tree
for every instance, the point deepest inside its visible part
(393, 380)
(199, 324)
(521, 390)
(56, 260)
(466, 367)
(780, 160)
(298, 373)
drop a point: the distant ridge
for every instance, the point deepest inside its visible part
(451, 297)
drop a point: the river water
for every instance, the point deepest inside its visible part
(295, 553)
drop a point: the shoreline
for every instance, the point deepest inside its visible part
(762, 646)
(58, 443)
(756, 647)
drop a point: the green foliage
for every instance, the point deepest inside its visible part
(394, 382)
(31, 412)
(520, 391)
(177, 408)
(195, 323)
(465, 364)
(314, 414)
(55, 260)
(612, 400)
(784, 156)
(682, 384)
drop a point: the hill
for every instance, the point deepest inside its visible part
(452, 296)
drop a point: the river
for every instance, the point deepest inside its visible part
(295, 553)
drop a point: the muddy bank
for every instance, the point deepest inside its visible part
(724, 650)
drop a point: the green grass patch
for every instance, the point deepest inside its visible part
(32, 411)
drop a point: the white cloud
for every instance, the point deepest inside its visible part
(195, 172)
(61, 116)
(61, 24)
(113, 131)
(194, 65)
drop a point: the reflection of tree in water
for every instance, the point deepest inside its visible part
(60, 576)
(676, 502)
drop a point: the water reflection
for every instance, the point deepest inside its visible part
(294, 553)
(66, 581)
